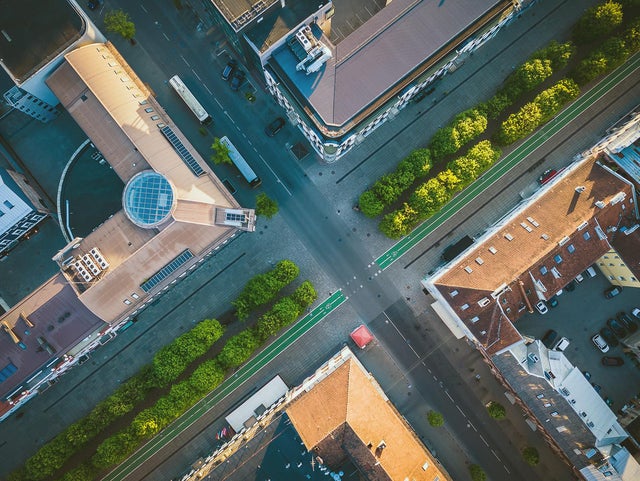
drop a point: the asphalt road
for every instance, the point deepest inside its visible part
(333, 242)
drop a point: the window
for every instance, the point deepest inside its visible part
(558, 259)
(464, 307)
(586, 235)
(1, 213)
(148, 110)
(155, 117)
(571, 248)
(453, 293)
(543, 270)
(8, 204)
(135, 296)
(127, 301)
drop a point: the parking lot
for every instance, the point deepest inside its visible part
(578, 316)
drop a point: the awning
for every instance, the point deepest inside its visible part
(362, 336)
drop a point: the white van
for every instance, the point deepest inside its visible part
(562, 344)
(591, 272)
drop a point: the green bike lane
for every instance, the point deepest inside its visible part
(533, 142)
(227, 387)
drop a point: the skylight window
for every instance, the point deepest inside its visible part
(571, 248)
(557, 258)
(586, 235)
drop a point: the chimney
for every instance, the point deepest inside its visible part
(380, 448)
(580, 189)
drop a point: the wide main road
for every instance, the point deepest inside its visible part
(238, 379)
(310, 216)
(530, 145)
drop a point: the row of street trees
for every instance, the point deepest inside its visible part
(604, 19)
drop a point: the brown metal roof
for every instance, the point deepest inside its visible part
(387, 48)
(57, 316)
(349, 403)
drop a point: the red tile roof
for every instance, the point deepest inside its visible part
(536, 251)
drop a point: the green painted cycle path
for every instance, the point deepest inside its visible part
(542, 135)
(227, 387)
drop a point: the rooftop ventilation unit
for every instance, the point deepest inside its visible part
(88, 261)
(619, 197)
(580, 189)
(600, 204)
(99, 258)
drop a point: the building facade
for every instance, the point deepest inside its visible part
(38, 37)
(21, 210)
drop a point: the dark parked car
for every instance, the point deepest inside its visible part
(237, 78)
(93, 4)
(553, 301)
(612, 361)
(628, 323)
(596, 387)
(617, 328)
(608, 336)
(228, 69)
(549, 338)
(571, 286)
(274, 127)
(612, 292)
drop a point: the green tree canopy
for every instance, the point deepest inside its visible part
(531, 455)
(266, 206)
(477, 473)
(496, 410)
(597, 22)
(118, 21)
(220, 153)
(435, 419)
(370, 205)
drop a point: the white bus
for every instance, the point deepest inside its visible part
(237, 159)
(186, 95)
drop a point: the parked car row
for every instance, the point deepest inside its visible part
(616, 328)
(235, 77)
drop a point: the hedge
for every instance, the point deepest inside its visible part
(533, 114)
(263, 288)
(431, 196)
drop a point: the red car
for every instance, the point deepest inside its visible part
(547, 175)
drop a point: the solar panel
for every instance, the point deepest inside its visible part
(182, 151)
(167, 270)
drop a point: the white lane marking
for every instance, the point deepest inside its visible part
(461, 411)
(165, 36)
(219, 104)
(506, 469)
(185, 61)
(227, 114)
(484, 440)
(398, 330)
(205, 86)
(497, 457)
(142, 7)
(471, 424)
(197, 76)
(448, 395)
(275, 175)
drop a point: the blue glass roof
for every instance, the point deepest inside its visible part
(148, 199)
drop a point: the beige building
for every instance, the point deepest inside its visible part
(616, 270)
(175, 214)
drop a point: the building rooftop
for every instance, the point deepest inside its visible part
(148, 199)
(34, 32)
(535, 251)
(47, 322)
(240, 12)
(170, 188)
(561, 398)
(280, 21)
(404, 37)
(347, 415)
